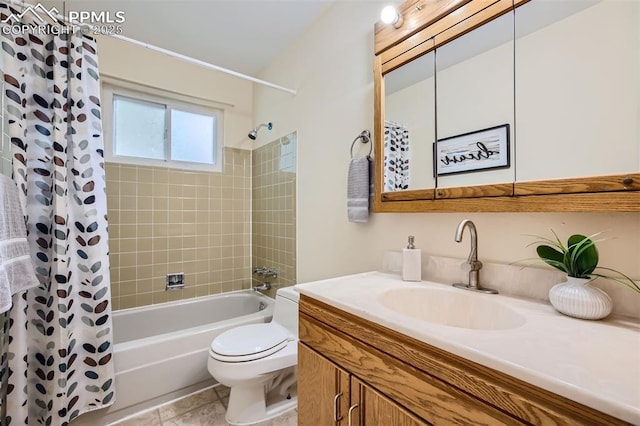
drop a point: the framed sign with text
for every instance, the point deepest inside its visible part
(471, 152)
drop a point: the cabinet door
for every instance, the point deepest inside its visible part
(375, 409)
(323, 390)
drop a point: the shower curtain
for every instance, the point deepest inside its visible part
(396, 157)
(60, 333)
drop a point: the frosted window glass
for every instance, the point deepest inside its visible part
(193, 137)
(139, 128)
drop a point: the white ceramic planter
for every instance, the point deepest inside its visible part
(577, 298)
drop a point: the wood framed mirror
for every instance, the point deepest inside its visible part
(574, 137)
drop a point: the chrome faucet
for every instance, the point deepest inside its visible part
(474, 264)
(266, 273)
(266, 286)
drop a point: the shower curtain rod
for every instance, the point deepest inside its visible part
(202, 63)
(170, 53)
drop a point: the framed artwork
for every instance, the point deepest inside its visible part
(471, 152)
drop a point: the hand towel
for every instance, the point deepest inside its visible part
(16, 270)
(359, 189)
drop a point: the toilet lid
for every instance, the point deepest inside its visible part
(249, 342)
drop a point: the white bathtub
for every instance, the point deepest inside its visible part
(161, 351)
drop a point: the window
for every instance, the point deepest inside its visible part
(149, 129)
(138, 128)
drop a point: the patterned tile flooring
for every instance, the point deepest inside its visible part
(205, 408)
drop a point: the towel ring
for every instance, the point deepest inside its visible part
(364, 137)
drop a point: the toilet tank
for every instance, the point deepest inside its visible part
(285, 311)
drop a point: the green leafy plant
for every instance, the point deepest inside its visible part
(579, 258)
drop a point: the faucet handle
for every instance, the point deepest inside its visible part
(467, 267)
(476, 265)
(266, 272)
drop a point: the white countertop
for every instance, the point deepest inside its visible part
(596, 363)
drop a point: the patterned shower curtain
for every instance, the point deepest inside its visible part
(396, 157)
(60, 335)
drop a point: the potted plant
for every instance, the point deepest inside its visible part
(579, 260)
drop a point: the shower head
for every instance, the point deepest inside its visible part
(254, 133)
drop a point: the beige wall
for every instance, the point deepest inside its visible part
(133, 63)
(331, 67)
(168, 221)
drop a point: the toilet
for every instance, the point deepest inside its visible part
(258, 362)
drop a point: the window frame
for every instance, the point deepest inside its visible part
(170, 101)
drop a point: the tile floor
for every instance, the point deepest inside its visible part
(205, 408)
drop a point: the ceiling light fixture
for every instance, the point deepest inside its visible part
(390, 16)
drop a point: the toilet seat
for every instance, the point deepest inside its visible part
(249, 342)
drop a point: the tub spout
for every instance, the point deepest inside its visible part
(262, 287)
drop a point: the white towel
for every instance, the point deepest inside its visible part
(16, 269)
(359, 189)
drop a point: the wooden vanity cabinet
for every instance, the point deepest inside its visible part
(376, 409)
(326, 392)
(385, 378)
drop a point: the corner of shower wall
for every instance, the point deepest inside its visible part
(274, 174)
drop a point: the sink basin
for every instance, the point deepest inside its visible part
(451, 307)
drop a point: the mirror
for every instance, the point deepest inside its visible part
(577, 89)
(553, 84)
(409, 127)
(475, 80)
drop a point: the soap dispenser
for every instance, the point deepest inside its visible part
(411, 262)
